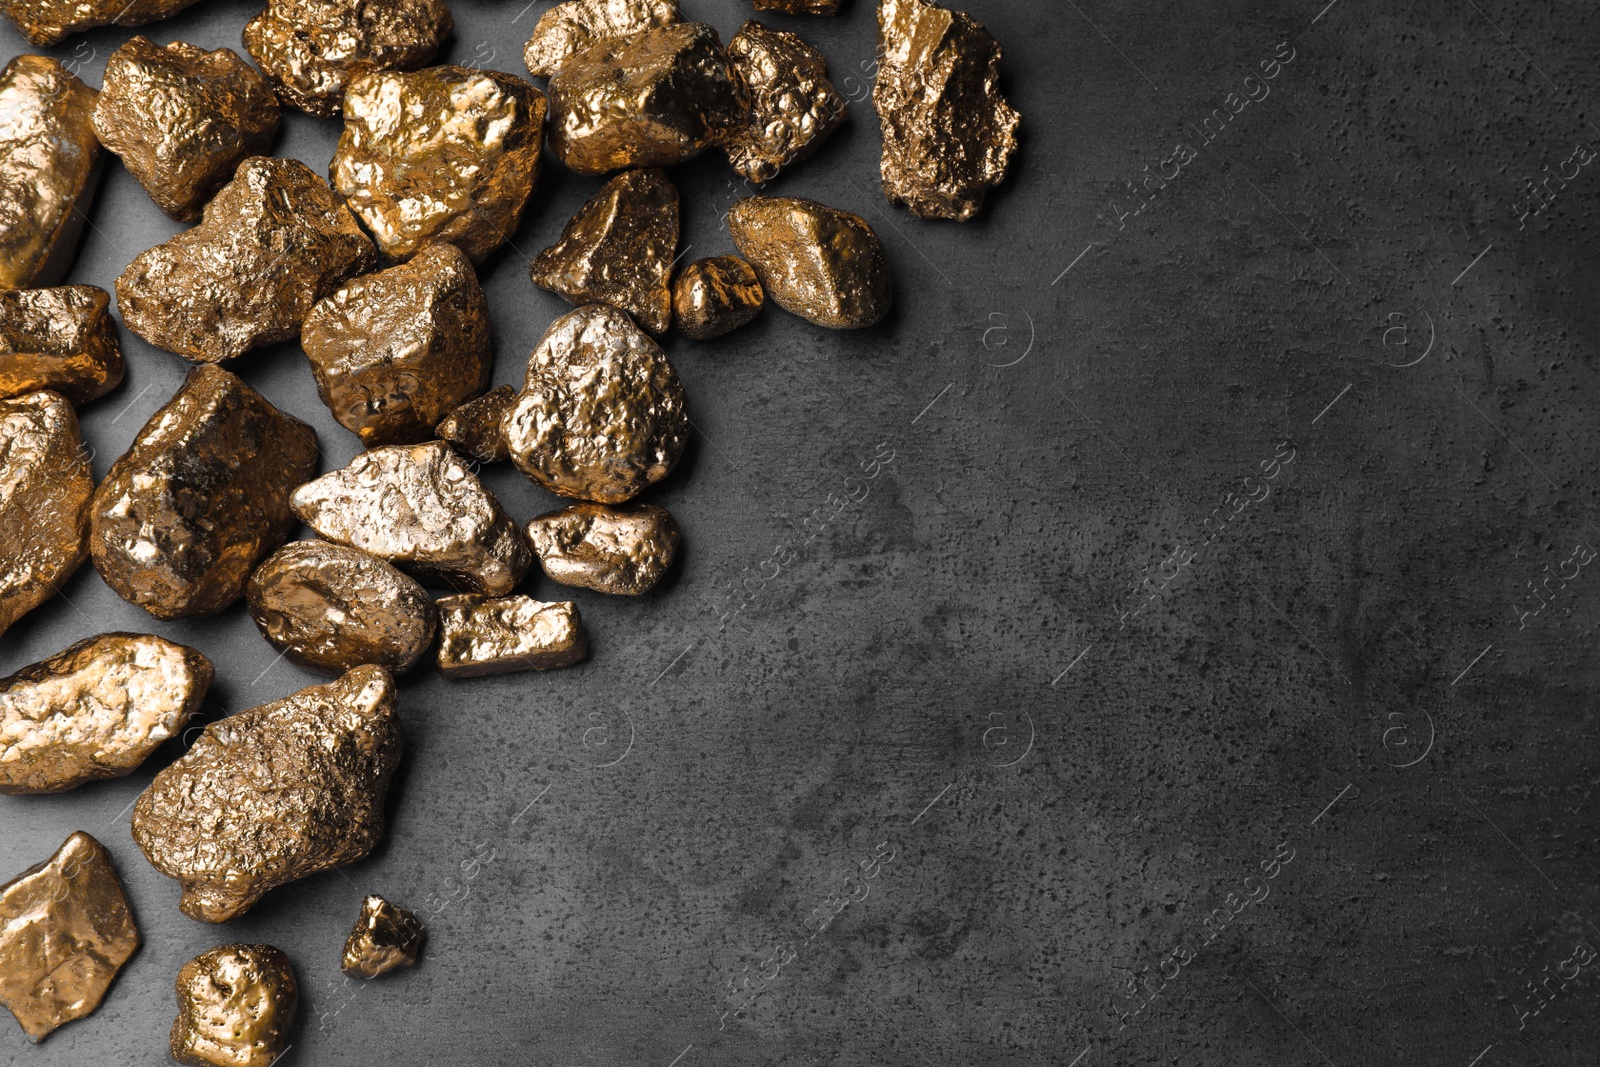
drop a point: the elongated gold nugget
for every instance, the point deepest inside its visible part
(574, 25)
(49, 165)
(801, 7)
(814, 261)
(623, 549)
(480, 635)
(793, 105)
(715, 296)
(384, 937)
(49, 21)
(236, 1006)
(473, 429)
(63, 339)
(45, 493)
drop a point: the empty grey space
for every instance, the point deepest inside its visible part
(1205, 679)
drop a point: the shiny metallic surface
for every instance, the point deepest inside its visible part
(814, 261)
(49, 164)
(62, 339)
(200, 497)
(793, 105)
(651, 99)
(65, 932)
(574, 25)
(236, 1007)
(95, 710)
(447, 154)
(619, 249)
(313, 49)
(270, 245)
(474, 428)
(714, 296)
(274, 793)
(601, 414)
(45, 493)
(421, 507)
(45, 22)
(385, 937)
(396, 351)
(948, 133)
(801, 7)
(622, 550)
(480, 636)
(182, 119)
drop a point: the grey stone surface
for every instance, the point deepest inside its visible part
(940, 668)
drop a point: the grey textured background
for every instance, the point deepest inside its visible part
(951, 664)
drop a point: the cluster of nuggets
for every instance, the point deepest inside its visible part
(433, 170)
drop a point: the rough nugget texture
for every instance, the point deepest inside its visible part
(473, 429)
(49, 21)
(49, 164)
(715, 296)
(45, 493)
(384, 937)
(480, 636)
(236, 1006)
(825, 265)
(801, 7)
(570, 27)
(793, 105)
(623, 550)
(63, 339)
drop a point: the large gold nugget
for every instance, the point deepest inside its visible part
(601, 414)
(49, 21)
(473, 429)
(651, 99)
(200, 497)
(801, 7)
(65, 932)
(384, 937)
(95, 710)
(236, 1005)
(479, 636)
(421, 507)
(572, 26)
(716, 296)
(447, 154)
(618, 249)
(49, 164)
(182, 119)
(273, 794)
(814, 261)
(45, 492)
(622, 550)
(271, 244)
(395, 352)
(793, 105)
(63, 339)
(313, 49)
(331, 608)
(948, 134)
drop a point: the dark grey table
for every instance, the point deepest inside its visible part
(1176, 694)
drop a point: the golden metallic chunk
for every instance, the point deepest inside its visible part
(45, 492)
(313, 49)
(601, 414)
(716, 296)
(814, 261)
(793, 105)
(182, 119)
(419, 506)
(801, 7)
(65, 932)
(95, 710)
(480, 636)
(447, 155)
(236, 1005)
(63, 339)
(623, 550)
(200, 497)
(650, 99)
(394, 352)
(572, 26)
(331, 608)
(271, 244)
(618, 249)
(273, 794)
(48, 21)
(948, 134)
(49, 165)
(474, 427)
(385, 937)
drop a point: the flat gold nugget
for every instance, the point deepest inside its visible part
(623, 550)
(801, 7)
(715, 296)
(385, 937)
(236, 1006)
(480, 636)
(793, 105)
(572, 26)
(63, 339)
(45, 493)
(473, 429)
(817, 262)
(48, 21)
(49, 165)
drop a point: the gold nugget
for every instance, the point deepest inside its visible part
(63, 339)
(572, 26)
(236, 1005)
(623, 550)
(793, 105)
(800, 7)
(65, 932)
(814, 261)
(619, 249)
(473, 429)
(95, 710)
(480, 636)
(48, 21)
(49, 165)
(716, 296)
(385, 937)
(45, 492)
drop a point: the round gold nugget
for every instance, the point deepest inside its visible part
(236, 1004)
(716, 296)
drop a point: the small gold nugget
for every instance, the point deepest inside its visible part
(200, 497)
(395, 352)
(385, 937)
(63, 339)
(236, 1005)
(800, 7)
(65, 931)
(619, 249)
(793, 105)
(716, 296)
(49, 165)
(623, 550)
(572, 26)
(445, 155)
(49, 21)
(479, 636)
(95, 710)
(814, 261)
(473, 429)
(601, 414)
(45, 493)
(270, 245)
(273, 794)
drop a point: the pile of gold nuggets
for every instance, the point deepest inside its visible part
(374, 272)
